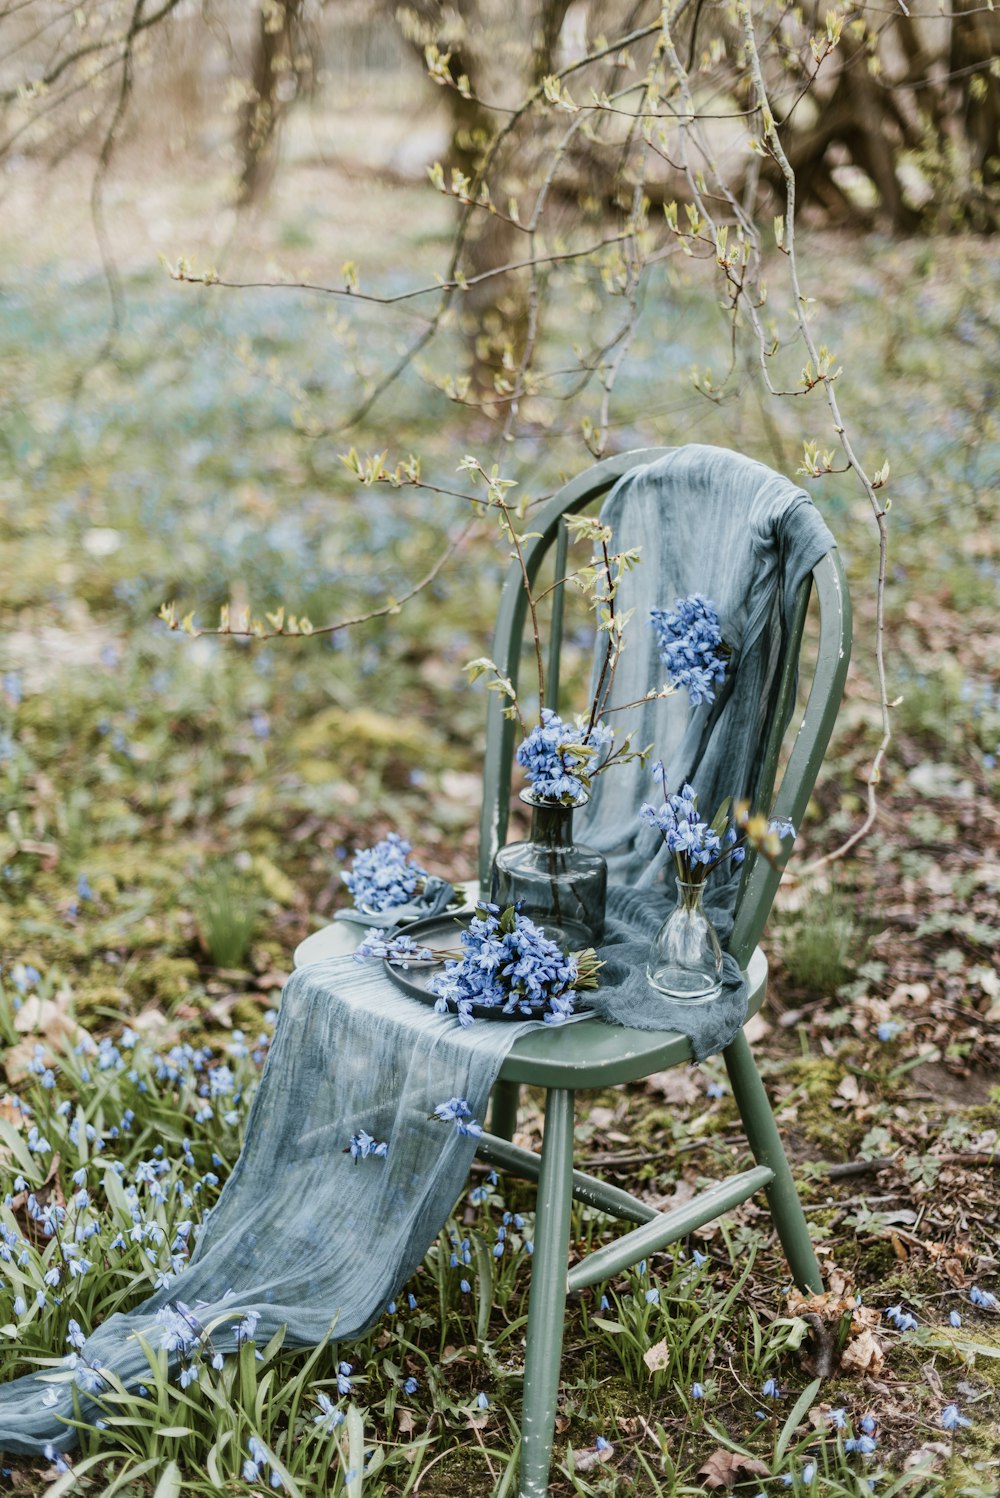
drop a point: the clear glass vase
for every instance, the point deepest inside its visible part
(685, 959)
(562, 885)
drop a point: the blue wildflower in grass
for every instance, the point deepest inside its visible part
(888, 1029)
(652, 1296)
(951, 1419)
(509, 964)
(55, 1457)
(699, 1258)
(985, 1299)
(808, 1473)
(864, 1445)
(697, 1391)
(329, 1416)
(715, 1090)
(410, 1385)
(362, 1144)
(954, 1319)
(901, 1320)
(180, 1328)
(771, 1389)
(246, 1328)
(603, 1447)
(482, 1401)
(868, 1425)
(392, 946)
(383, 876)
(689, 640)
(88, 1377)
(256, 1462)
(465, 1287)
(344, 1384)
(188, 1376)
(560, 759)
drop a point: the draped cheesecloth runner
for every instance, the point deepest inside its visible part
(316, 1243)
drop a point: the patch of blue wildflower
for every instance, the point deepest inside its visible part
(510, 965)
(902, 1320)
(383, 876)
(689, 640)
(96, 1204)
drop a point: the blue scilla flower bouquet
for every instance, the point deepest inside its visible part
(685, 958)
(561, 756)
(508, 965)
(384, 876)
(388, 887)
(698, 847)
(690, 643)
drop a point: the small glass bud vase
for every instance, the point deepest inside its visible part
(562, 885)
(685, 959)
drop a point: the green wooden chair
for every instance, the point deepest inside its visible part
(591, 1054)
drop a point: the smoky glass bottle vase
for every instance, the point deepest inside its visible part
(685, 959)
(562, 885)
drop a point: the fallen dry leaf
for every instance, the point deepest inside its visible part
(864, 1354)
(586, 1461)
(927, 1455)
(405, 1422)
(675, 1086)
(658, 1357)
(725, 1468)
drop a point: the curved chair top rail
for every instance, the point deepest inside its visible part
(760, 879)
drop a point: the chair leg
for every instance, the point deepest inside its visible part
(765, 1143)
(503, 1109)
(547, 1298)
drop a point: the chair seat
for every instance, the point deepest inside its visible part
(586, 1053)
(589, 1053)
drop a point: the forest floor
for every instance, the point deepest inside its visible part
(177, 814)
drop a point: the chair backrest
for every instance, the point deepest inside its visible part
(760, 878)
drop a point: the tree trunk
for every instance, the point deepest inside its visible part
(273, 84)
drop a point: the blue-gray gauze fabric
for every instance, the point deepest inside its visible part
(301, 1234)
(310, 1240)
(706, 521)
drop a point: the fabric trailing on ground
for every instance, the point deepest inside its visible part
(302, 1234)
(316, 1243)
